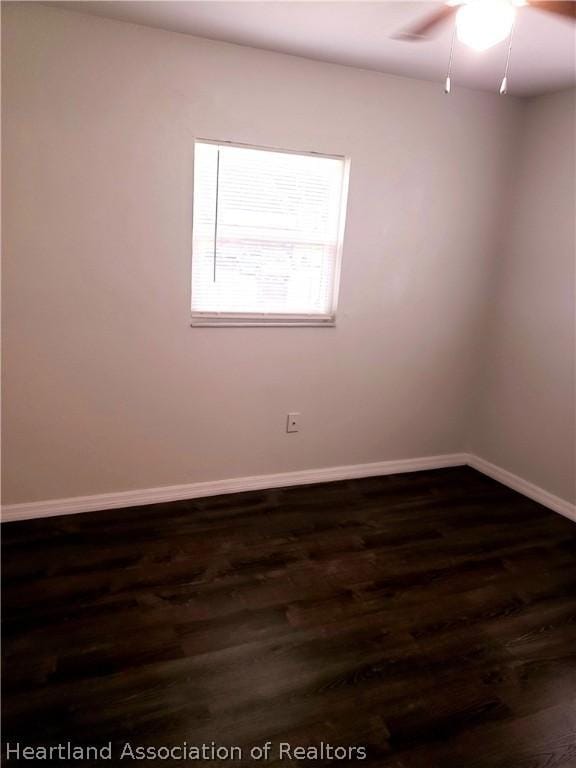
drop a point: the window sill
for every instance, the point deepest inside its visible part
(261, 321)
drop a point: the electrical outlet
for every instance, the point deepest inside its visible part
(293, 422)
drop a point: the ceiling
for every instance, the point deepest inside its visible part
(359, 34)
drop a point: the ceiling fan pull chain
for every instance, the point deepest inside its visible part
(448, 83)
(504, 83)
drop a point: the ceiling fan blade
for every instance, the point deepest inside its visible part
(423, 29)
(566, 8)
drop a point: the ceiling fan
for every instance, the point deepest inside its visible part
(483, 23)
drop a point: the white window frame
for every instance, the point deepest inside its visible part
(270, 319)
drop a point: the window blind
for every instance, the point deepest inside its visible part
(266, 232)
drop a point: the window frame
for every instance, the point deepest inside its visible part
(275, 319)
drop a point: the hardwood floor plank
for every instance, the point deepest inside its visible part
(430, 617)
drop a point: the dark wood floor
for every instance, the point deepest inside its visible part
(430, 617)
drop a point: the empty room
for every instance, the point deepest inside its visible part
(288, 383)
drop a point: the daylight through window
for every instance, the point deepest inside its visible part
(267, 235)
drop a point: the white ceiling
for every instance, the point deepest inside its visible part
(359, 34)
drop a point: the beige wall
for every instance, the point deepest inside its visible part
(525, 420)
(106, 386)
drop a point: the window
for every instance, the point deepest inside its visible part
(267, 235)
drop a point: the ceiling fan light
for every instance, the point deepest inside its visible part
(483, 23)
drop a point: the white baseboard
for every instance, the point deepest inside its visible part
(543, 497)
(77, 504)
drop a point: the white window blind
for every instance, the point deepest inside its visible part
(267, 234)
